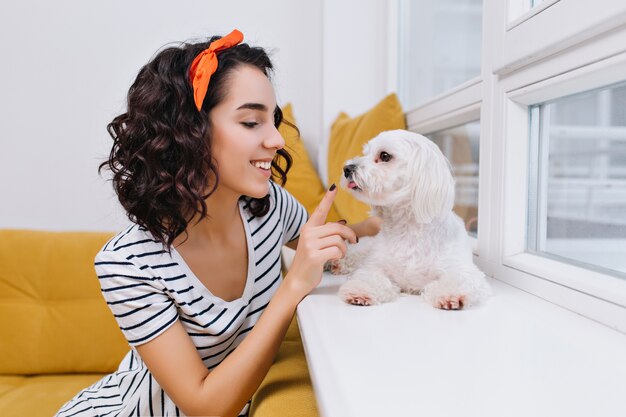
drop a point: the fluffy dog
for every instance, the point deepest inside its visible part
(422, 247)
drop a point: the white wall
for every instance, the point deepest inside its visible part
(66, 67)
(355, 52)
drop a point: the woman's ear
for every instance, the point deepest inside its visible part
(432, 183)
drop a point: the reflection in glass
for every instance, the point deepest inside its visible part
(439, 47)
(578, 194)
(534, 3)
(460, 145)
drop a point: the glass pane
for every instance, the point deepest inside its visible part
(578, 197)
(439, 47)
(460, 145)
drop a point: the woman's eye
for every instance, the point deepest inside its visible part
(249, 125)
(385, 157)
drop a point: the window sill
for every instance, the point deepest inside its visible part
(517, 355)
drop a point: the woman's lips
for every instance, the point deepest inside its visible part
(265, 172)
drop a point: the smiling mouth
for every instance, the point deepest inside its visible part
(261, 164)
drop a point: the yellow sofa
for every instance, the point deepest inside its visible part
(57, 335)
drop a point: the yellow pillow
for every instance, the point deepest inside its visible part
(347, 137)
(53, 318)
(302, 180)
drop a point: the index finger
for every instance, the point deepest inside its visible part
(318, 217)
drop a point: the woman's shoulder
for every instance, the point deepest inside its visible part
(130, 242)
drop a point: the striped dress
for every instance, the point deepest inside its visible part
(149, 289)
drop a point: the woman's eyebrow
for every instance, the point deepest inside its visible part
(253, 106)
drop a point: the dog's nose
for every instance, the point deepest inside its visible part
(348, 170)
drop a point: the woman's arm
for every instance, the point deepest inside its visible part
(174, 361)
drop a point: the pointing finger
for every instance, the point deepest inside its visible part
(321, 211)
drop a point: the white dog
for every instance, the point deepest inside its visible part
(422, 247)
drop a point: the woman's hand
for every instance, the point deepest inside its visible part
(319, 242)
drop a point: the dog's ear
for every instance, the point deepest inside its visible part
(431, 181)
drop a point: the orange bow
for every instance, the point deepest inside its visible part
(205, 65)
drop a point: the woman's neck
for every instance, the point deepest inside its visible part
(222, 218)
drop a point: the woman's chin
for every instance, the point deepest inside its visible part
(259, 192)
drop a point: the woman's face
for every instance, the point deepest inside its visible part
(244, 138)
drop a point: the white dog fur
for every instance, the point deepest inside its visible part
(422, 247)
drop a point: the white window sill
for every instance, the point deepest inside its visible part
(517, 355)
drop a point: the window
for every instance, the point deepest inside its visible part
(460, 145)
(547, 103)
(440, 44)
(443, 92)
(578, 198)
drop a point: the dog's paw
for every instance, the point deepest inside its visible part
(359, 300)
(357, 293)
(334, 267)
(450, 302)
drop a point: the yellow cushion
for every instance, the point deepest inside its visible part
(347, 137)
(53, 318)
(293, 332)
(286, 389)
(40, 396)
(302, 180)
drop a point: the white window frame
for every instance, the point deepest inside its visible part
(525, 61)
(548, 28)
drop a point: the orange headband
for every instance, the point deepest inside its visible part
(205, 65)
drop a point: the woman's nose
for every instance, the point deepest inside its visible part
(275, 139)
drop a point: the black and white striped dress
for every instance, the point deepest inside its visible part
(148, 289)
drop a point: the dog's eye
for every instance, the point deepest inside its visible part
(385, 157)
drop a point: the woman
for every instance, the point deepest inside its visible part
(195, 283)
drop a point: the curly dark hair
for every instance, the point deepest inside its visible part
(161, 155)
